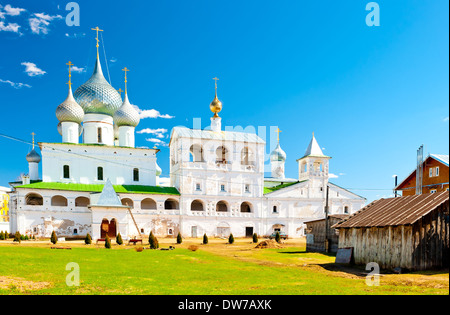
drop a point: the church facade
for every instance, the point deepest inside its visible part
(105, 185)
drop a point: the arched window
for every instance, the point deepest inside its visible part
(99, 173)
(245, 207)
(99, 135)
(171, 204)
(222, 155)
(148, 204)
(136, 174)
(66, 171)
(33, 199)
(59, 201)
(82, 202)
(197, 205)
(346, 210)
(196, 153)
(222, 206)
(127, 202)
(246, 156)
(275, 209)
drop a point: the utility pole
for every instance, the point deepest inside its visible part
(395, 186)
(327, 245)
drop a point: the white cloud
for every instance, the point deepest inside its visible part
(113, 59)
(151, 113)
(157, 141)
(153, 131)
(15, 85)
(75, 35)
(446, 118)
(78, 70)
(11, 27)
(32, 70)
(12, 11)
(40, 22)
(331, 175)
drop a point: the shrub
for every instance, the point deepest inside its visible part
(205, 239)
(2, 236)
(17, 237)
(255, 238)
(119, 239)
(107, 242)
(231, 239)
(22, 237)
(138, 248)
(53, 238)
(26, 238)
(153, 241)
(179, 238)
(277, 237)
(88, 239)
(193, 248)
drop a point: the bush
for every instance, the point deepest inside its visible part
(88, 239)
(179, 238)
(138, 248)
(153, 241)
(53, 239)
(278, 237)
(26, 238)
(193, 248)
(17, 237)
(119, 239)
(2, 236)
(107, 242)
(205, 239)
(255, 238)
(231, 239)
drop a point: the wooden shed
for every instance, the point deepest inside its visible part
(315, 234)
(409, 232)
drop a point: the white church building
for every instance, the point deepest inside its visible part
(104, 185)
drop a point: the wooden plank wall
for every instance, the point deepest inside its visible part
(424, 245)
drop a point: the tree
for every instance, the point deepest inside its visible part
(53, 238)
(179, 238)
(119, 239)
(231, 239)
(255, 238)
(17, 237)
(153, 241)
(88, 239)
(205, 239)
(277, 237)
(2, 236)
(107, 242)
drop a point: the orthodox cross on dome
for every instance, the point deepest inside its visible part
(32, 135)
(70, 74)
(98, 30)
(125, 70)
(278, 134)
(120, 91)
(216, 79)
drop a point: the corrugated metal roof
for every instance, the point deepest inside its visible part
(395, 211)
(213, 135)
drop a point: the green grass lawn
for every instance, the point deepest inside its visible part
(212, 269)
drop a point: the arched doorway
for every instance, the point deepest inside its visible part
(108, 228)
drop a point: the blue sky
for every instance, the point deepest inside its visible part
(372, 95)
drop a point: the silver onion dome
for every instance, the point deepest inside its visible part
(33, 157)
(97, 96)
(278, 154)
(126, 115)
(69, 110)
(158, 170)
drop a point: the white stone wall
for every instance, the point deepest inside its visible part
(83, 160)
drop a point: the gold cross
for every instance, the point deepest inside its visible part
(278, 132)
(98, 30)
(120, 91)
(216, 79)
(70, 74)
(32, 135)
(125, 70)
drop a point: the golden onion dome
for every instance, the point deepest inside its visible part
(216, 106)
